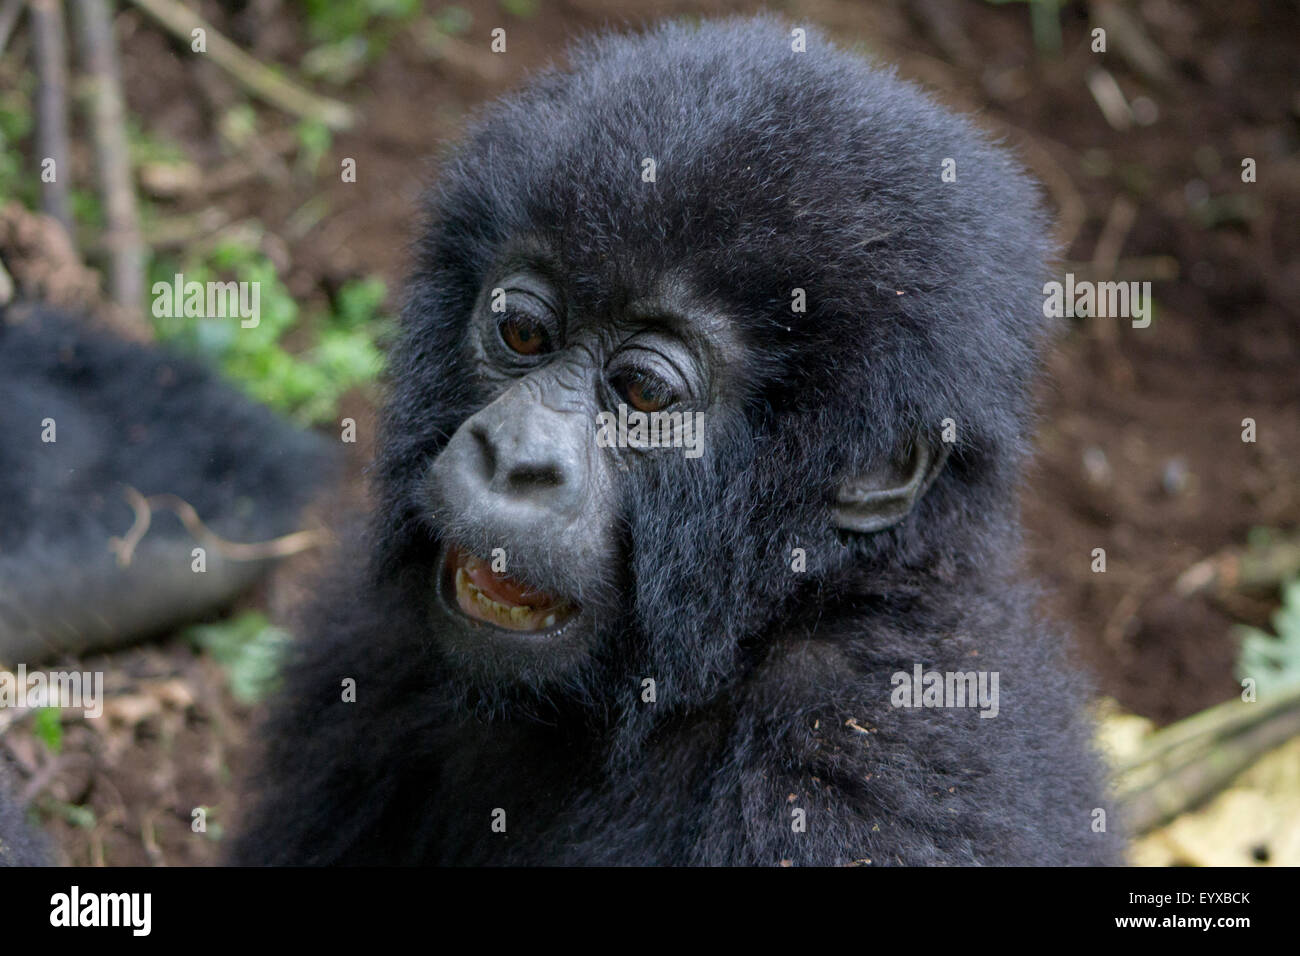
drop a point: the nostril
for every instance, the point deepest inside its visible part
(516, 476)
(487, 453)
(520, 458)
(525, 477)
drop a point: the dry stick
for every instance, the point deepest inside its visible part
(1109, 98)
(10, 11)
(235, 172)
(177, 232)
(254, 76)
(113, 159)
(50, 53)
(1125, 32)
(1130, 269)
(1253, 568)
(1186, 763)
(1105, 256)
(124, 547)
(1119, 222)
(1216, 723)
(1196, 781)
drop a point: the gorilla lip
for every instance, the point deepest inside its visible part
(484, 595)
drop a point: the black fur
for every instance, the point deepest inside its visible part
(127, 415)
(20, 843)
(776, 170)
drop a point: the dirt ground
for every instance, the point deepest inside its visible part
(1140, 441)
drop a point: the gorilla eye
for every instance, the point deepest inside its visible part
(644, 391)
(524, 334)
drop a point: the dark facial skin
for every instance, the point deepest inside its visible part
(526, 474)
(532, 570)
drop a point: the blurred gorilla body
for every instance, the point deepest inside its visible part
(693, 660)
(83, 416)
(20, 844)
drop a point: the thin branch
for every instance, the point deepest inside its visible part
(1114, 233)
(257, 78)
(1218, 757)
(1126, 34)
(1242, 569)
(124, 547)
(6, 285)
(50, 53)
(10, 11)
(1206, 728)
(112, 159)
(1109, 98)
(1129, 269)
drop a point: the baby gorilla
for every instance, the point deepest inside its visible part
(696, 539)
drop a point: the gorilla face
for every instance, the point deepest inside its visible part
(528, 492)
(768, 249)
(532, 490)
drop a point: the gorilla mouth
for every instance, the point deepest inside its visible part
(484, 595)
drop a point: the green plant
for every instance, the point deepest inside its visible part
(1045, 20)
(48, 727)
(305, 385)
(248, 648)
(373, 22)
(314, 140)
(524, 9)
(1274, 661)
(15, 124)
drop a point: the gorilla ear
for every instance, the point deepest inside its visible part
(881, 498)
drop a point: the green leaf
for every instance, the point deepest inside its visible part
(248, 648)
(48, 726)
(1273, 661)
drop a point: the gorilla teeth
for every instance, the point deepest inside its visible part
(474, 603)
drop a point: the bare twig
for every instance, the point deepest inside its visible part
(257, 78)
(1119, 222)
(112, 159)
(1105, 256)
(6, 285)
(1205, 729)
(178, 232)
(1110, 98)
(1135, 268)
(10, 11)
(466, 59)
(1185, 764)
(1235, 569)
(49, 50)
(1125, 32)
(124, 547)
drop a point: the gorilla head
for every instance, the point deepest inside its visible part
(703, 430)
(758, 241)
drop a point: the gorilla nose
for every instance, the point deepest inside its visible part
(520, 465)
(516, 456)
